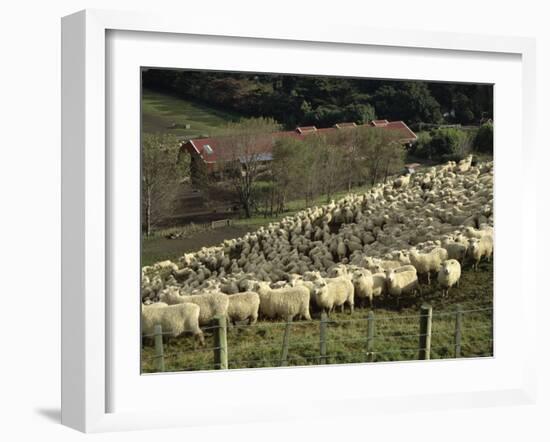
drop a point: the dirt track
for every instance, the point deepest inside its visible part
(158, 249)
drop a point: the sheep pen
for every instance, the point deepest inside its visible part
(375, 230)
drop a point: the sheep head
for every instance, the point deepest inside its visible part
(473, 246)
(320, 290)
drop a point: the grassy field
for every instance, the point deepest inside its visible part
(396, 333)
(168, 114)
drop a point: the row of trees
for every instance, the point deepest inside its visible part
(302, 100)
(323, 165)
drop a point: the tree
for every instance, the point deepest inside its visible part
(244, 149)
(483, 141)
(393, 159)
(422, 146)
(308, 162)
(329, 99)
(380, 150)
(352, 162)
(463, 109)
(447, 142)
(329, 115)
(161, 172)
(359, 113)
(199, 175)
(286, 168)
(410, 101)
(330, 163)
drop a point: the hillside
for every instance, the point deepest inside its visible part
(406, 228)
(169, 114)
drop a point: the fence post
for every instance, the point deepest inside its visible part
(286, 337)
(458, 331)
(220, 343)
(425, 341)
(370, 336)
(323, 339)
(159, 349)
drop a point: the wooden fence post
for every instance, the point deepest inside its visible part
(323, 339)
(159, 349)
(220, 343)
(458, 331)
(370, 336)
(286, 337)
(425, 341)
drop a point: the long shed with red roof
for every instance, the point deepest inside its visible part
(213, 151)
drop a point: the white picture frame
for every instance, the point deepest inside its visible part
(87, 213)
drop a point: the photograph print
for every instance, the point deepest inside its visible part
(300, 220)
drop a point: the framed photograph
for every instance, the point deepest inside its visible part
(252, 216)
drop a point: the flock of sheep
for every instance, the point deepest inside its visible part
(377, 245)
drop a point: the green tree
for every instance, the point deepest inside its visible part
(328, 99)
(359, 113)
(445, 143)
(483, 141)
(422, 146)
(464, 112)
(410, 101)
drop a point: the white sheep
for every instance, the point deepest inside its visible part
(173, 319)
(400, 283)
(480, 248)
(243, 306)
(211, 304)
(283, 303)
(455, 250)
(363, 285)
(464, 164)
(441, 252)
(374, 229)
(149, 304)
(337, 270)
(379, 284)
(472, 232)
(425, 263)
(449, 275)
(334, 292)
(404, 268)
(402, 181)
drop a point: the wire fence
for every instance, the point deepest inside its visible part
(457, 333)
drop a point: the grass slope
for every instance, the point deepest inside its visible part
(168, 114)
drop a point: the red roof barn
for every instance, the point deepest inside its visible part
(212, 150)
